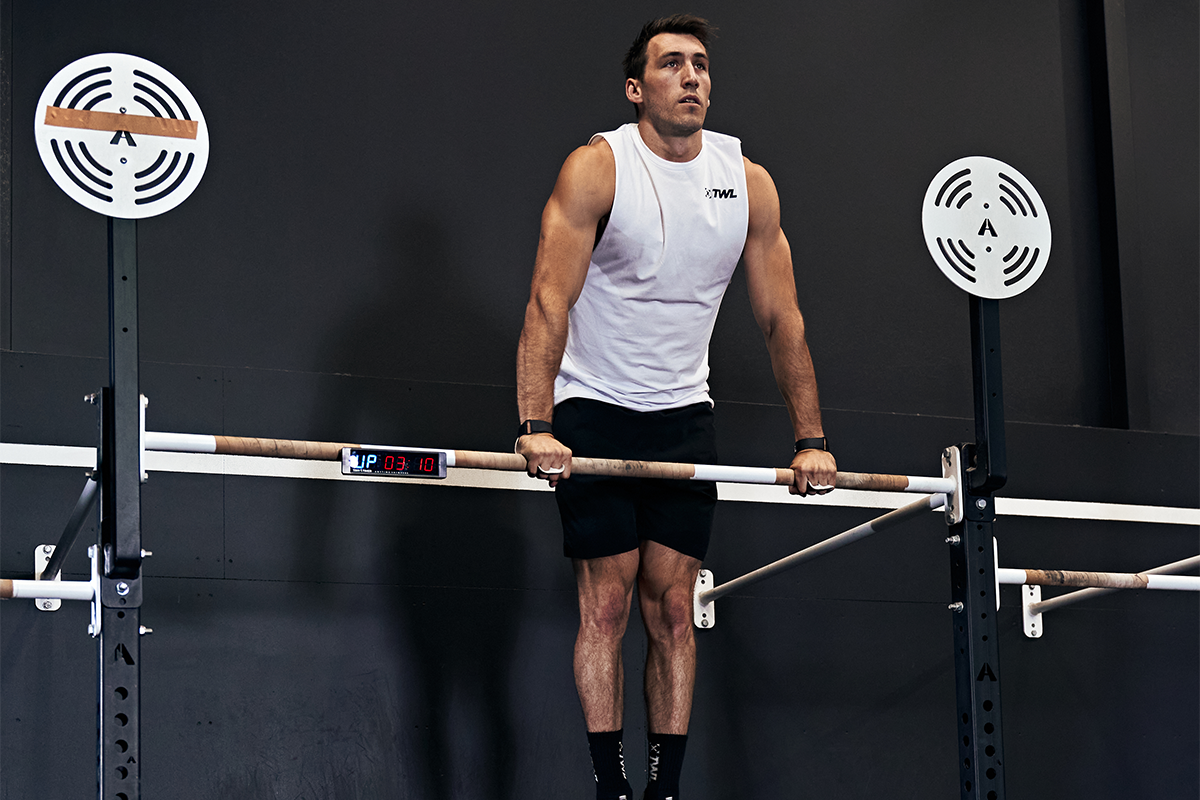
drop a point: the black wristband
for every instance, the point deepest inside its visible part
(817, 443)
(534, 426)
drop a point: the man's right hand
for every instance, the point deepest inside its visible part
(545, 456)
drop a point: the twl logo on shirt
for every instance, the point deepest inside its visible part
(718, 194)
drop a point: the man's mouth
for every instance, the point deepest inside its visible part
(691, 100)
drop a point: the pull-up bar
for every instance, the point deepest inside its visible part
(513, 462)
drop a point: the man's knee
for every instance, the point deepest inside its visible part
(605, 613)
(668, 617)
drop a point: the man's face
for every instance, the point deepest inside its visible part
(673, 91)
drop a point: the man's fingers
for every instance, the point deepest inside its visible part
(804, 485)
(546, 458)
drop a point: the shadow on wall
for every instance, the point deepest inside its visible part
(434, 557)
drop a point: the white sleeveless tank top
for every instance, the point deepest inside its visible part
(638, 335)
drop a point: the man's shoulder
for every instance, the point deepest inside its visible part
(595, 154)
(587, 180)
(591, 165)
(755, 172)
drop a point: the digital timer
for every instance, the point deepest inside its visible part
(393, 461)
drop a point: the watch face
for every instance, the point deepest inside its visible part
(121, 135)
(986, 227)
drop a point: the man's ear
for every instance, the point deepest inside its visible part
(633, 90)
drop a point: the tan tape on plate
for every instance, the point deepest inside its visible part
(134, 123)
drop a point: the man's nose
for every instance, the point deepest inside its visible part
(690, 76)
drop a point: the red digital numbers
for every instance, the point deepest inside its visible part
(399, 464)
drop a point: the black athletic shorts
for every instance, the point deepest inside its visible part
(606, 516)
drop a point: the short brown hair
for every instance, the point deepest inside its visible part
(687, 24)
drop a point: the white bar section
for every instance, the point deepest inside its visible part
(1009, 576)
(1179, 583)
(716, 472)
(921, 485)
(181, 442)
(47, 455)
(1115, 512)
(53, 590)
(186, 460)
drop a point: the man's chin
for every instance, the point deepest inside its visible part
(682, 127)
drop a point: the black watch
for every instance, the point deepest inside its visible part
(534, 426)
(817, 443)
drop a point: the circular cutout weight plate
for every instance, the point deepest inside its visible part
(986, 227)
(121, 135)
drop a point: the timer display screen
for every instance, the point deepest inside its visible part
(389, 461)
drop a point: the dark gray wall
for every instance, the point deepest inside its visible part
(321, 639)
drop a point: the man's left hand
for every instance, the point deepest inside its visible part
(816, 472)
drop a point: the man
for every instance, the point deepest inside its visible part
(638, 242)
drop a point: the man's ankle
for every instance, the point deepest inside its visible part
(608, 765)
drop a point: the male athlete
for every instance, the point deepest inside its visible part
(639, 239)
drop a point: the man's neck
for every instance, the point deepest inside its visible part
(671, 148)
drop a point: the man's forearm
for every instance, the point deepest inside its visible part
(796, 378)
(539, 354)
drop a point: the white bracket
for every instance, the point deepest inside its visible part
(41, 557)
(996, 568)
(1033, 622)
(94, 626)
(952, 468)
(704, 615)
(145, 401)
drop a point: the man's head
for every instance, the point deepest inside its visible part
(666, 74)
(687, 24)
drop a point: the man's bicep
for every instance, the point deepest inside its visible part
(767, 254)
(769, 278)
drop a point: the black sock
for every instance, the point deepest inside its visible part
(665, 764)
(608, 763)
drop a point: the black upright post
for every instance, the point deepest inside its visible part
(118, 772)
(973, 571)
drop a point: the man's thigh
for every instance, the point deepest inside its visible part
(606, 516)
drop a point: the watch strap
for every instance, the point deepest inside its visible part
(534, 426)
(815, 443)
